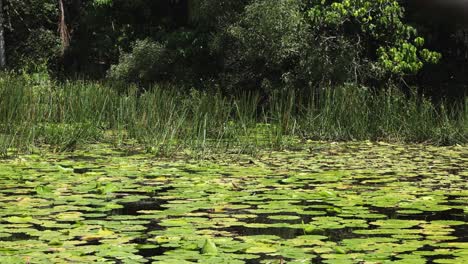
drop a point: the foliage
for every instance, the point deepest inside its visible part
(212, 14)
(31, 38)
(234, 45)
(375, 23)
(148, 61)
(270, 37)
(307, 43)
(197, 48)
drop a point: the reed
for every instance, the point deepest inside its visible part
(165, 121)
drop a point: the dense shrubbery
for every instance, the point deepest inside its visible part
(234, 45)
(148, 62)
(284, 44)
(31, 34)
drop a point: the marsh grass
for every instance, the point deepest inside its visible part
(164, 121)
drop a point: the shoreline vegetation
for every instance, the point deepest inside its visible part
(36, 113)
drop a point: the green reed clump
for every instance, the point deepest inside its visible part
(338, 114)
(165, 121)
(61, 116)
(353, 113)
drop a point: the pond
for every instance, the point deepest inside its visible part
(355, 202)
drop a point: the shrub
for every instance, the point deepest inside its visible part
(148, 62)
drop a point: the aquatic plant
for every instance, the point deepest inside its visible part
(332, 203)
(65, 116)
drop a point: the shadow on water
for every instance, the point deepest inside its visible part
(82, 170)
(282, 232)
(80, 158)
(461, 232)
(290, 233)
(452, 214)
(18, 237)
(142, 205)
(151, 252)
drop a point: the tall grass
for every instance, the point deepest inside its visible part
(165, 121)
(352, 113)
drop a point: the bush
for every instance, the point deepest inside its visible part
(148, 62)
(269, 39)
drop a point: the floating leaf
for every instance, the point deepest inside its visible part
(19, 220)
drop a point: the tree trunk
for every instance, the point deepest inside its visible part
(2, 38)
(63, 28)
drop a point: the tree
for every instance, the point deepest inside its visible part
(324, 43)
(30, 30)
